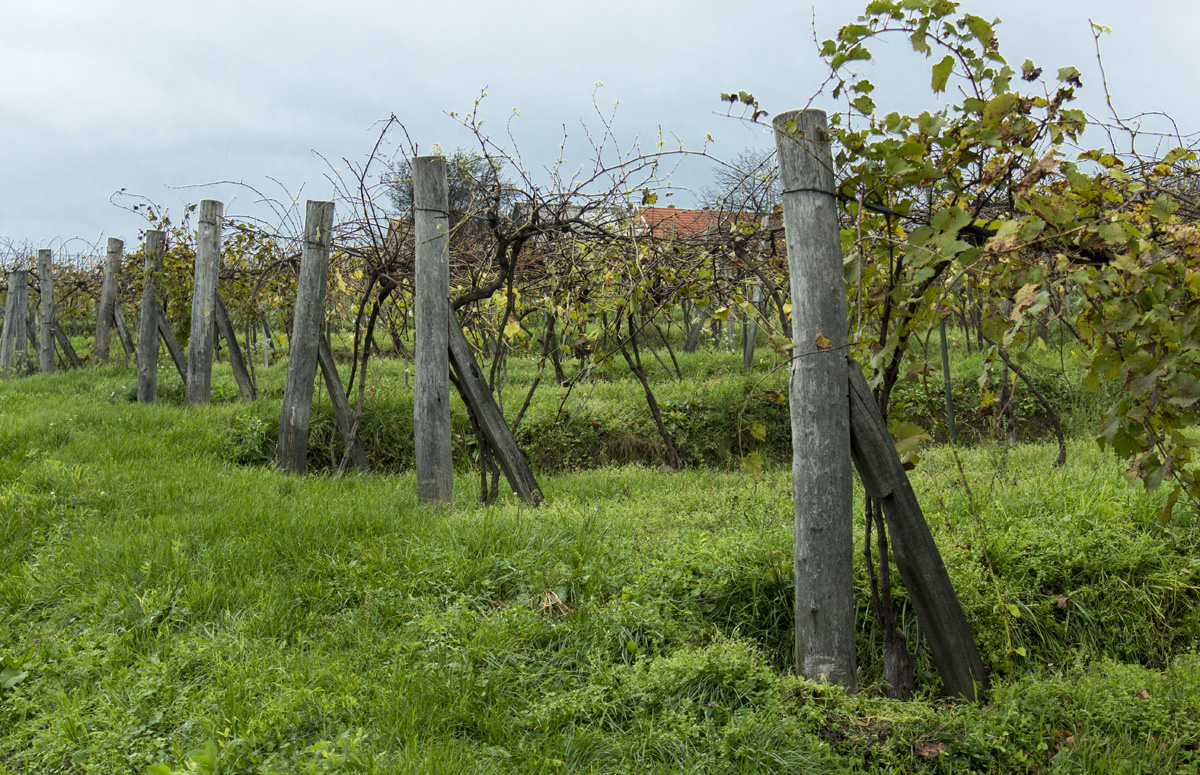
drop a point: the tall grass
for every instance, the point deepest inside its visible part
(164, 607)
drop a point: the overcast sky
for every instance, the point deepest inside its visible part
(156, 97)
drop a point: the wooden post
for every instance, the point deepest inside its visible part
(236, 362)
(751, 328)
(478, 396)
(821, 470)
(268, 343)
(123, 332)
(947, 381)
(756, 298)
(46, 306)
(108, 298)
(693, 334)
(65, 344)
(917, 558)
(14, 348)
(306, 337)
(147, 362)
(204, 291)
(176, 352)
(731, 319)
(341, 407)
(431, 386)
(31, 331)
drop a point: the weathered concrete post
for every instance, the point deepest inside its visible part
(14, 348)
(431, 385)
(108, 298)
(204, 299)
(46, 309)
(147, 347)
(820, 409)
(306, 337)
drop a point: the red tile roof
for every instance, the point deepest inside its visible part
(668, 222)
(676, 222)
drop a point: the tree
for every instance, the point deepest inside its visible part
(749, 183)
(475, 182)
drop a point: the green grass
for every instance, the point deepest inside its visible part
(163, 605)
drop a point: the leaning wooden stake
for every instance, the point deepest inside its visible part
(821, 471)
(108, 298)
(204, 293)
(31, 331)
(173, 348)
(65, 343)
(46, 307)
(431, 384)
(236, 361)
(14, 350)
(917, 557)
(147, 362)
(123, 332)
(306, 336)
(478, 396)
(346, 418)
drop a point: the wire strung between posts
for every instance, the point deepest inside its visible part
(811, 191)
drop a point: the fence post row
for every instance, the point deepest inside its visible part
(147, 347)
(820, 411)
(46, 312)
(431, 382)
(292, 452)
(204, 291)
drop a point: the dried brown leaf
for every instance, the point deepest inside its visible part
(930, 750)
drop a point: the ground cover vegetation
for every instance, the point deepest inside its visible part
(166, 606)
(172, 602)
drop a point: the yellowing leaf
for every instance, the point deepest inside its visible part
(1025, 297)
(997, 108)
(941, 73)
(907, 436)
